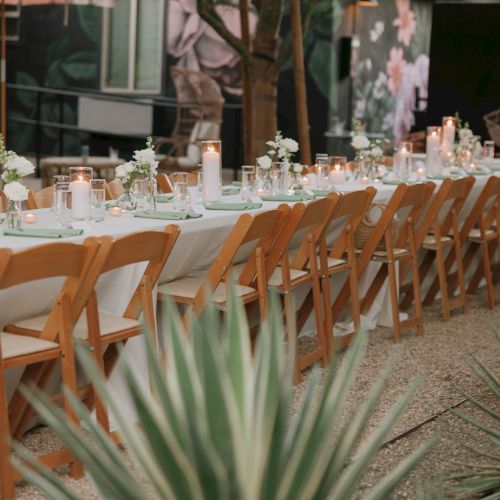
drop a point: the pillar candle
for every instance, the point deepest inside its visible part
(80, 199)
(211, 176)
(433, 144)
(337, 175)
(448, 136)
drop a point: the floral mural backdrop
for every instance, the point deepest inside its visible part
(393, 65)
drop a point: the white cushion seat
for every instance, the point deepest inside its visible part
(188, 287)
(331, 262)
(475, 234)
(382, 254)
(276, 278)
(430, 240)
(20, 345)
(109, 323)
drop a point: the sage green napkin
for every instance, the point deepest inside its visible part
(439, 177)
(236, 183)
(167, 215)
(164, 198)
(228, 190)
(244, 205)
(287, 197)
(322, 192)
(477, 173)
(44, 233)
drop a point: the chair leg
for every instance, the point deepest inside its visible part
(487, 275)
(320, 326)
(327, 306)
(417, 296)
(393, 287)
(460, 273)
(291, 331)
(68, 370)
(7, 484)
(443, 288)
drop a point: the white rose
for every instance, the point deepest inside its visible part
(297, 168)
(271, 143)
(360, 142)
(376, 152)
(264, 162)
(144, 155)
(291, 145)
(122, 171)
(465, 134)
(15, 191)
(21, 165)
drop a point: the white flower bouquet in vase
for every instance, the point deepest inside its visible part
(142, 167)
(14, 169)
(279, 156)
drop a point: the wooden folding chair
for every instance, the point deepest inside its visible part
(257, 233)
(406, 204)
(478, 231)
(164, 184)
(40, 199)
(347, 213)
(51, 344)
(113, 190)
(286, 273)
(102, 329)
(443, 215)
(3, 202)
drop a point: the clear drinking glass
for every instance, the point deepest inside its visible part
(247, 182)
(199, 180)
(62, 209)
(322, 171)
(141, 190)
(278, 179)
(489, 150)
(97, 200)
(55, 180)
(180, 184)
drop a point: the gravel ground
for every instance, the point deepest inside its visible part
(443, 355)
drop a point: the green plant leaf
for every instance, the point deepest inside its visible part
(320, 63)
(88, 18)
(80, 66)
(27, 98)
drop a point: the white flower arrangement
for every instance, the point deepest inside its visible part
(364, 148)
(281, 149)
(15, 191)
(143, 165)
(14, 169)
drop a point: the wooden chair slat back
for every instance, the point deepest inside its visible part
(315, 214)
(40, 199)
(137, 247)
(263, 226)
(45, 261)
(113, 190)
(164, 184)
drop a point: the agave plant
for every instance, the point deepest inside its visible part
(482, 480)
(218, 422)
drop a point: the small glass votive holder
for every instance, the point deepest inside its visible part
(322, 171)
(97, 200)
(337, 173)
(62, 205)
(489, 150)
(247, 182)
(180, 185)
(403, 160)
(55, 180)
(140, 189)
(199, 180)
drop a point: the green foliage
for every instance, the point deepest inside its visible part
(482, 480)
(219, 422)
(80, 66)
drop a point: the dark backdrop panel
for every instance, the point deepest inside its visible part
(464, 73)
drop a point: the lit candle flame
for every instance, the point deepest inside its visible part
(449, 123)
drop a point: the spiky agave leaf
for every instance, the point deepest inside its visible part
(482, 480)
(218, 424)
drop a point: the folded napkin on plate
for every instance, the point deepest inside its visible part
(228, 190)
(167, 215)
(287, 197)
(244, 205)
(164, 198)
(44, 232)
(322, 192)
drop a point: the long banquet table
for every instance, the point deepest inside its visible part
(198, 243)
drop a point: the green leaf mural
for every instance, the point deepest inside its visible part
(80, 66)
(26, 98)
(88, 17)
(320, 63)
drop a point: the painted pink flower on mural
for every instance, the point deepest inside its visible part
(199, 47)
(395, 68)
(406, 22)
